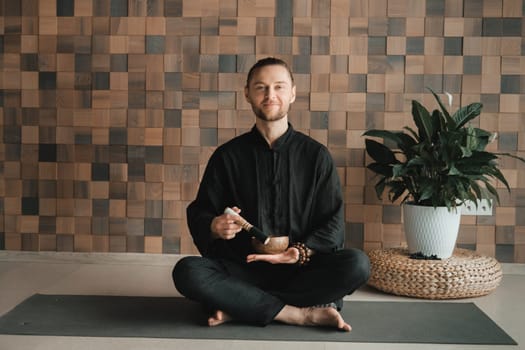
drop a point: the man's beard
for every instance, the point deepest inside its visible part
(272, 117)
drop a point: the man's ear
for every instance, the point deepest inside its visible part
(292, 100)
(246, 96)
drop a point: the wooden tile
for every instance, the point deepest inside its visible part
(65, 225)
(490, 83)
(100, 190)
(191, 137)
(154, 191)
(486, 235)
(512, 8)
(396, 46)
(395, 84)
(83, 226)
(83, 243)
(356, 102)
(29, 44)
(492, 8)
(433, 64)
(519, 235)
(172, 209)
(472, 27)
(261, 9)
(339, 25)
(358, 65)
(510, 103)
(373, 232)
(153, 245)
(491, 46)
(511, 46)
(453, 27)
(376, 82)
(453, 65)
(393, 235)
(434, 26)
(47, 242)
(117, 244)
(504, 235)
(83, 207)
(467, 235)
(27, 224)
(48, 26)
(511, 65)
(100, 243)
(117, 208)
(30, 241)
(454, 8)
(134, 244)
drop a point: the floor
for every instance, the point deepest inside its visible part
(23, 274)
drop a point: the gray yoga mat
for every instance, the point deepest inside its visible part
(154, 317)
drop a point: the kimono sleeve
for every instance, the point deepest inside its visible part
(327, 220)
(207, 205)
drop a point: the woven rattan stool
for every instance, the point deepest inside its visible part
(465, 274)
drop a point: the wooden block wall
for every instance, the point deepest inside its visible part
(110, 109)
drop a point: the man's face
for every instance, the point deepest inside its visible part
(270, 92)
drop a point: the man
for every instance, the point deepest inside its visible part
(285, 183)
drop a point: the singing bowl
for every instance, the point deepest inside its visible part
(277, 244)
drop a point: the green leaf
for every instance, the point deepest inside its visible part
(414, 134)
(477, 190)
(379, 152)
(466, 113)
(384, 134)
(511, 156)
(451, 123)
(398, 170)
(437, 124)
(466, 151)
(381, 169)
(426, 193)
(407, 142)
(380, 188)
(493, 191)
(478, 158)
(476, 139)
(499, 175)
(422, 120)
(397, 191)
(453, 171)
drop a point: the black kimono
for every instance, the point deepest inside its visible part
(291, 188)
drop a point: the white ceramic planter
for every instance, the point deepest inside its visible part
(431, 231)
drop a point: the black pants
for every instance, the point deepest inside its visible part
(256, 292)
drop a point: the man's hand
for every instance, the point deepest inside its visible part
(224, 226)
(290, 256)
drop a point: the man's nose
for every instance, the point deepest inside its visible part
(270, 93)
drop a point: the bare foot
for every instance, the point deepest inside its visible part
(325, 316)
(219, 317)
(313, 316)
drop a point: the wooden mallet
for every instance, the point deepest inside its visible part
(256, 232)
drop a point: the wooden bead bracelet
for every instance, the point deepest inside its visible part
(304, 253)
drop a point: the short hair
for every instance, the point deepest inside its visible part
(268, 61)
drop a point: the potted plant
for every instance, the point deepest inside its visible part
(433, 171)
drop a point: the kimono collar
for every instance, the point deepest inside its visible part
(278, 144)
